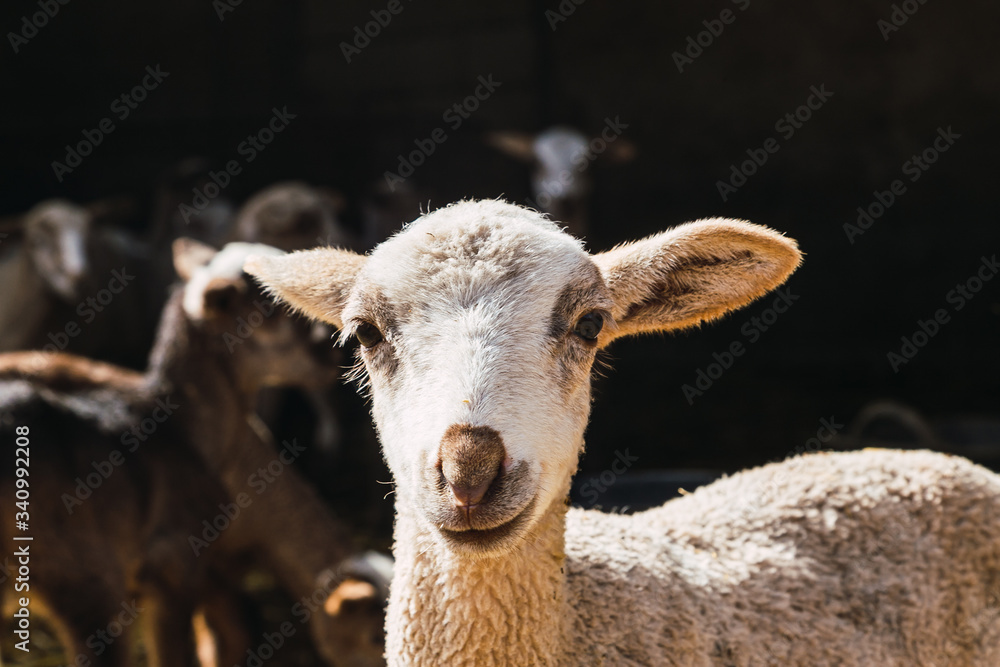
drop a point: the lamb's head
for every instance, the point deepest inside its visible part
(291, 216)
(479, 324)
(266, 345)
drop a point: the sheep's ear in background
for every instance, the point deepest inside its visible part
(314, 282)
(351, 597)
(190, 255)
(693, 273)
(520, 145)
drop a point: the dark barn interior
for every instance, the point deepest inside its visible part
(863, 129)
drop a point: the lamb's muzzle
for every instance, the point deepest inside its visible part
(480, 497)
(472, 458)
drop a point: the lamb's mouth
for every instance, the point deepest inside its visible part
(490, 537)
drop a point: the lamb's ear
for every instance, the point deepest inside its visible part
(315, 282)
(693, 273)
(189, 255)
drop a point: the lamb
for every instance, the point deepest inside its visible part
(291, 216)
(478, 326)
(77, 288)
(561, 157)
(139, 531)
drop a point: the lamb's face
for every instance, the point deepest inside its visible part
(478, 327)
(477, 338)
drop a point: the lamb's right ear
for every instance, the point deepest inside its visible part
(693, 273)
(314, 282)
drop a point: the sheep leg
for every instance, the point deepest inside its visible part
(169, 632)
(221, 628)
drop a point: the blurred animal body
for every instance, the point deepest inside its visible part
(146, 484)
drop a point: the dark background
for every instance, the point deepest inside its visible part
(824, 358)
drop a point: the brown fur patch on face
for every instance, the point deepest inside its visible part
(575, 355)
(375, 308)
(588, 292)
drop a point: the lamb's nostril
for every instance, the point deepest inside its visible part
(468, 496)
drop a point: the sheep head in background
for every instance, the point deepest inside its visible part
(292, 216)
(56, 233)
(561, 158)
(219, 298)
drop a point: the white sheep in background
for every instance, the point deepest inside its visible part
(479, 324)
(80, 283)
(561, 158)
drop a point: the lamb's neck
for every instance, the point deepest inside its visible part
(446, 609)
(191, 367)
(290, 522)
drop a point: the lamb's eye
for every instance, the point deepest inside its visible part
(589, 326)
(368, 334)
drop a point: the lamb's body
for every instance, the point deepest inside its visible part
(478, 327)
(826, 559)
(829, 559)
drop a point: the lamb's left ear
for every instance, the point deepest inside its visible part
(693, 273)
(314, 282)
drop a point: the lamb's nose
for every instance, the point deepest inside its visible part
(471, 460)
